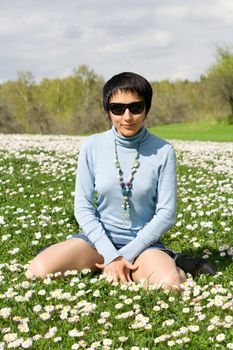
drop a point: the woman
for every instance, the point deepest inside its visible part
(125, 196)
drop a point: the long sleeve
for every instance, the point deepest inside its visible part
(84, 210)
(165, 214)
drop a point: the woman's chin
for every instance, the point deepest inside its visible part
(128, 131)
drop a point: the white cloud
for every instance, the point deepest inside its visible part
(217, 10)
(183, 72)
(144, 41)
(174, 11)
(156, 38)
(224, 10)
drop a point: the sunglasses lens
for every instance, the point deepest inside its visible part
(134, 107)
(117, 108)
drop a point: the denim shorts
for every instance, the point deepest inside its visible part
(118, 245)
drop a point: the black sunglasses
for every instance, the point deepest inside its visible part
(120, 108)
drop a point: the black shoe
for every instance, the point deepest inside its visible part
(193, 265)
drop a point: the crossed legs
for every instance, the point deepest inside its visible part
(154, 266)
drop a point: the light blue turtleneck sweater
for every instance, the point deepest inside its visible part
(153, 199)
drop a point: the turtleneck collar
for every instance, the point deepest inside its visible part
(131, 141)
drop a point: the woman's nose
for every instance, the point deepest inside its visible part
(127, 115)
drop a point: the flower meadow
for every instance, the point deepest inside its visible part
(84, 310)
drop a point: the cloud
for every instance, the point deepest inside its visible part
(172, 11)
(216, 10)
(141, 42)
(161, 39)
(184, 71)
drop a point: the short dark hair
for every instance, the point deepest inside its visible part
(127, 81)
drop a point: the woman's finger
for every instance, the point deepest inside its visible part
(131, 267)
(100, 266)
(123, 278)
(114, 277)
(128, 276)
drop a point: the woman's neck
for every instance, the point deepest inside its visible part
(129, 141)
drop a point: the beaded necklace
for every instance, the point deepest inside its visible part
(126, 188)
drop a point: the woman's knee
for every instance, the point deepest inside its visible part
(172, 281)
(38, 268)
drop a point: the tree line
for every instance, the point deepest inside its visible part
(73, 105)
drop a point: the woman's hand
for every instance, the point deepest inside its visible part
(119, 269)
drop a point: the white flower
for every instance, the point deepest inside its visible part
(168, 322)
(37, 337)
(228, 319)
(171, 299)
(96, 293)
(156, 308)
(76, 333)
(193, 328)
(83, 343)
(201, 317)
(122, 339)
(27, 343)
(41, 292)
(23, 327)
(63, 315)
(25, 284)
(45, 316)
(2, 221)
(210, 327)
(5, 312)
(101, 320)
(95, 344)
(171, 343)
(186, 310)
(9, 337)
(57, 339)
(75, 346)
(220, 337)
(107, 341)
(164, 305)
(128, 301)
(5, 237)
(49, 308)
(13, 251)
(186, 340)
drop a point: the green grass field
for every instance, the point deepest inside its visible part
(83, 310)
(195, 131)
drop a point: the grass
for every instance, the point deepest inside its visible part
(83, 310)
(219, 132)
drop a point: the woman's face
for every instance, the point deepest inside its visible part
(127, 123)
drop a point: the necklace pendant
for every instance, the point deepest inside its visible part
(126, 187)
(125, 208)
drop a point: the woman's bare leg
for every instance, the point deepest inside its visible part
(159, 269)
(73, 254)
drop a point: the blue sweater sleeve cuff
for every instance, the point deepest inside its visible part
(105, 247)
(131, 250)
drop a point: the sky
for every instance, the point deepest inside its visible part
(159, 39)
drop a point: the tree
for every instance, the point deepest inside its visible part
(8, 122)
(220, 76)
